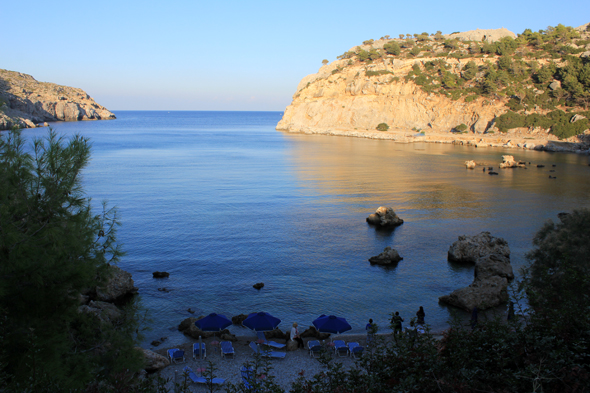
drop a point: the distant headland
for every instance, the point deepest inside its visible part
(27, 103)
(481, 87)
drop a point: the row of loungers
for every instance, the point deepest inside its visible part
(352, 349)
(227, 351)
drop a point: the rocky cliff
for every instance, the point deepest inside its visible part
(414, 92)
(25, 102)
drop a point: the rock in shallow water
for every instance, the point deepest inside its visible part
(384, 217)
(389, 256)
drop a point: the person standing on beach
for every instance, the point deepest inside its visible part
(396, 321)
(295, 336)
(420, 316)
(371, 329)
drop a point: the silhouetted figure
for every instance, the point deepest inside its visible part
(420, 314)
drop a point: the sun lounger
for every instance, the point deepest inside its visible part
(314, 348)
(197, 353)
(227, 349)
(269, 343)
(176, 355)
(355, 350)
(266, 354)
(340, 348)
(196, 379)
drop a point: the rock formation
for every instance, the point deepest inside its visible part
(25, 102)
(152, 361)
(470, 164)
(509, 162)
(491, 257)
(468, 249)
(389, 256)
(384, 217)
(119, 284)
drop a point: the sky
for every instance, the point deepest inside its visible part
(227, 55)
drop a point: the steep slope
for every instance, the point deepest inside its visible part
(26, 102)
(450, 88)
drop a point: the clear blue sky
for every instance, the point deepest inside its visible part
(227, 55)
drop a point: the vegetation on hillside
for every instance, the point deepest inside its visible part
(53, 247)
(538, 73)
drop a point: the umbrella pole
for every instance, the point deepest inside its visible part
(200, 354)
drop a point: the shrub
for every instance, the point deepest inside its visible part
(392, 48)
(382, 127)
(377, 73)
(461, 127)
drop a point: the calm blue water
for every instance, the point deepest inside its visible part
(222, 200)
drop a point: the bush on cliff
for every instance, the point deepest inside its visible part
(382, 127)
(53, 247)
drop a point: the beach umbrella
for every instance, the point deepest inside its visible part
(331, 324)
(211, 323)
(261, 322)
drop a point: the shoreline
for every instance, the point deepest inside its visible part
(513, 139)
(295, 365)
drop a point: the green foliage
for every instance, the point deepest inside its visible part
(382, 127)
(368, 42)
(469, 71)
(52, 247)
(325, 61)
(461, 127)
(392, 48)
(558, 121)
(370, 73)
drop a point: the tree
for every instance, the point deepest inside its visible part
(52, 247)
(392, 48)
(382, 127)
(325, 61)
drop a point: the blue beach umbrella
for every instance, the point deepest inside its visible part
(331, 324)
(261, 322)
(213, 323)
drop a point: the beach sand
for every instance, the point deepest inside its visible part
(286, 371)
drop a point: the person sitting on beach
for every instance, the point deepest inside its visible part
(420, 314)
(295, 336)
(396, 321)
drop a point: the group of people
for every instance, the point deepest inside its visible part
(396, 321)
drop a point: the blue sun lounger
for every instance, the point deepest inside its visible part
(196, 379)
(355, 350)
(314, 348)
(266, 354)
(176, 355)
(273, 344)
(227, 350)
(197, 353)
(340, 348)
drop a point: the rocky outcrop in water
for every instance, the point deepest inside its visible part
(491, 257)
(25, 102)
(388, 257)
(384, 217)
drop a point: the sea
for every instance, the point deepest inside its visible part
(222, 201)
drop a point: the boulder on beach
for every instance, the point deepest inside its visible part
(188, 328)
(276, 334)
(238, 319)
(384, 217)
(313, 332)
(389, 256)
(152, 361)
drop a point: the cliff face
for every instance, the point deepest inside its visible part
(342, 96)
(452, 88)
(26, 102)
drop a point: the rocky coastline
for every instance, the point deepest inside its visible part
(513, 139)
(27, 103)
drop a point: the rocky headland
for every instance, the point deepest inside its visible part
(27, 103)
(438, 89)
